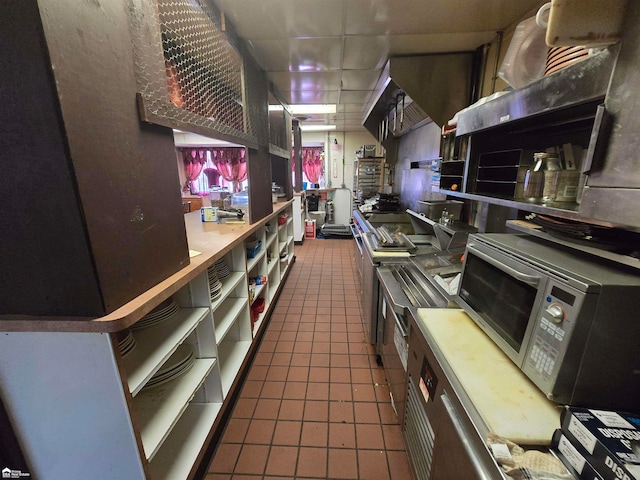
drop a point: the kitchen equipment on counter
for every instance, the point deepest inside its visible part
(460, 388)
(433, 208)
(383, 240)
(402, 286)
(567, 319)
(526, 56)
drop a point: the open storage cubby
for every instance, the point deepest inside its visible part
(149, 384)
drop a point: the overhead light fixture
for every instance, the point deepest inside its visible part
(313, 108)
(276, 108)
(317, 128)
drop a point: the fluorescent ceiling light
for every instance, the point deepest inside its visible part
(276, 108)
(317, 128)
(312, 108)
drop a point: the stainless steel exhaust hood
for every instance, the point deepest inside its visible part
(415, 90)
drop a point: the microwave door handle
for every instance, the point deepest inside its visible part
(532, 280)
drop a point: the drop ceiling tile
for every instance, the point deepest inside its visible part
(307, 96)
(283, 18)
(365, 52)
(352, 107)
(360, 79)
(354, 96)
(298, 54)
(312, 81)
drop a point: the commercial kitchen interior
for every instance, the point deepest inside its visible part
(314, 403)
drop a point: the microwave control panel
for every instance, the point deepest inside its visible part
(551, 333)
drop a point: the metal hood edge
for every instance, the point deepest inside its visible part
(434, 87)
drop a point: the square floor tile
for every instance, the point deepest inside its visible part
(318, 374)
(369, 436)
(287, 433)
(317, 391)
(302, 347)
(340, 348)
(291, 410)
(295, 390)
(373, 465)
(283, 347)
(343, 463)
(263, 358)
(298, 374)
(258, 372)
(281, 359)
(363, 392)
(312, 462)
(341, 412)
(301, 359)
(340, 360)
(387, 414)
(340, 375)
(393, 439)
(251, 389)
(314, 434)
(267, 409)
(340, 392)
(320, 359)
(316, 411)
(398, 465)
(272, 389)
(235, 430)
(365, 412)
(321, 347)
(244, 408)
(277, 373)
(342, 435)
(252, 459)
(225, 458)
(260, 432)
(282, 461)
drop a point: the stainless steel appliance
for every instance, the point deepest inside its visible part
(444, 437)
(567, 319)
(402, 285)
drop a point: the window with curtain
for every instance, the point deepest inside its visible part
(207, 167)
(312, 164)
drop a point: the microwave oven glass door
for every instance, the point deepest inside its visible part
(501, 300)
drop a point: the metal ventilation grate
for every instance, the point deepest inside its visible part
(202, 80)
(419, 434)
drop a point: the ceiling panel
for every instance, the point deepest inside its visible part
(299, 54)
(365, 52)
(333, 51)
(360, 79)
(311, 81)
(284, 18)
(311, 96)
(354, 96)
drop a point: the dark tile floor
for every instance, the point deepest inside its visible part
(314, 405)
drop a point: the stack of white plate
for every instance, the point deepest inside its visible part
(178, 364)
(162, 312)
(215, 285)
(126, 342)
(221, 268)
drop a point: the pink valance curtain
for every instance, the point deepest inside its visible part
(231, 163)
(313, 163)
(194, 159)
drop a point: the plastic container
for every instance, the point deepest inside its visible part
(526, 56)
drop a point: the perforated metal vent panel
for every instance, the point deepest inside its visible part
(197, 80)
(419, 434)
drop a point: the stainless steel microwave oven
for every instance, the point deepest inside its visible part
(569, 320)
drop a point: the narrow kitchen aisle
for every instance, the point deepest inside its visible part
(314, 405)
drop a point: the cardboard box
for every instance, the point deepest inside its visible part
(610, 441)
(572, 458)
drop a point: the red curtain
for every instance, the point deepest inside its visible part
(194, 159)
(313, 163)
(231, 163)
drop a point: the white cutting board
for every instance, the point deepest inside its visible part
(592, 23)
(509, 404)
